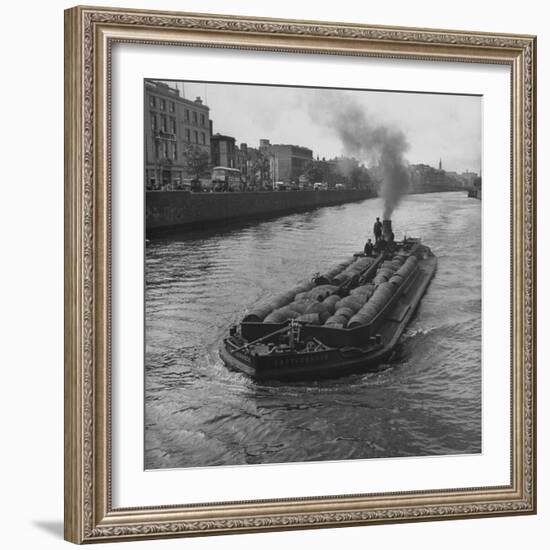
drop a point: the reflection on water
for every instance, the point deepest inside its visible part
(426, 402)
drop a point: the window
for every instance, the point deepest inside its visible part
(163, 105)
(159, 150)
(187, 115)
(163, 123)
(196, 136)
(174, 151)
(152, 101)
(202, 119)
(173, 125)
(172, 106)
(195, 117)
(203, 138)
(165, 149)
(153, 118)
(188, 134)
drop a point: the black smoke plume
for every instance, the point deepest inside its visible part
(368, 141)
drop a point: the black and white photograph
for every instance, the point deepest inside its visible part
(313, 274)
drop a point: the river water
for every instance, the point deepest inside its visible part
(426, 402)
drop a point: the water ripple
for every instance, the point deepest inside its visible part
(425, 401)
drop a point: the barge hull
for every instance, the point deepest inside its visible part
(334, 363)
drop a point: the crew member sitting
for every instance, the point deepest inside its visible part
(368, 248)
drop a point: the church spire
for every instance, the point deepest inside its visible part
(440, 167)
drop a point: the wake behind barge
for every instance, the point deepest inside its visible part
(346, 321)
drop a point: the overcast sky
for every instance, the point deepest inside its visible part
(435, 126)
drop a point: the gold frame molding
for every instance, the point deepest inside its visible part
(89, 36)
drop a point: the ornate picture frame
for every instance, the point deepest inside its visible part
(90, 34)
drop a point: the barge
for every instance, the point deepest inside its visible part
(345, 321)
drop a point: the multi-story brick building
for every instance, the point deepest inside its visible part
(289, 161)
(173, 124)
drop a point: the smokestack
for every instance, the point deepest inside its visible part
(386, 230)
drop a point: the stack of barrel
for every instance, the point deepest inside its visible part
(347, 307)
(320, 305)
(387, 281)
(327, 278)
(307, 302)
(313, 307)
(262, 311)
(356, 268)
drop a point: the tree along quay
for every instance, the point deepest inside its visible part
(166, 210)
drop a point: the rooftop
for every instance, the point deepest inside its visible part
(174, 93)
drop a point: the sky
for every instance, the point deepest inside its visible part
(434, 126)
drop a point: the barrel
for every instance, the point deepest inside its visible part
(341, 278)
(385, 289)
(331, 302)
(353, 302)
(346, 312)
(324, 315)
(357, 320)
(396, 280)
(331, 273)
(259, 313)
(365, 290)
(281, 315)
(284, 298)
(337, 319)
(378, 302)
(299, 307)
(304, 286)
(364, 316)
(379, 279)
(408, 267)
(368, 312)
(309, 318)
(318, 307)
(321, 292)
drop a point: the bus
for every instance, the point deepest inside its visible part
(226, 179)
